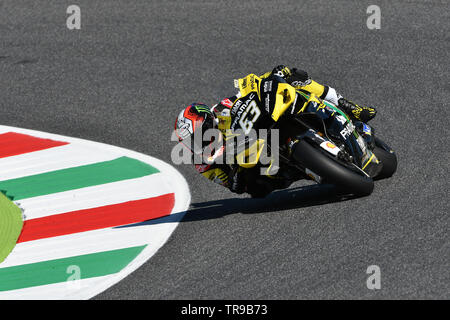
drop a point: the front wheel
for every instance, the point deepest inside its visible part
(387, 157)
(351, 181)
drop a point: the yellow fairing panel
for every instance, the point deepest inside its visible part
(313, 87)
(249, 84)
(265, 75)
(250, 157)
(285, 96)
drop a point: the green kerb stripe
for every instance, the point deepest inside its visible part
(75, 178)
(60, 270)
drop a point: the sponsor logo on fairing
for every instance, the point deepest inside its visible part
(241, 110)
(367, 129)
(267, 86)
(236, 107)
(227, 103)
(347, 131)
(341, 119)
(267, 103)
(330, 147)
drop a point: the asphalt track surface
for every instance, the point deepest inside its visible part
(125, 75)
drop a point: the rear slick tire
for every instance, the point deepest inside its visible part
(332, 171)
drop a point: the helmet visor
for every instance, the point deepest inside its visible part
(199, 141)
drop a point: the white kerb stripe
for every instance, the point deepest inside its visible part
(52, 159)
(90, 242)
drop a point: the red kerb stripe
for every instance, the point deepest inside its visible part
(97, 218)
(13, 144)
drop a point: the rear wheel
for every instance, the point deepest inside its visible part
(350, 179)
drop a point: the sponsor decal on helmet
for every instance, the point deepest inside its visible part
(184, 126)
(202, 108)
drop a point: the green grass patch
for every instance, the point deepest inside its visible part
(10, 226)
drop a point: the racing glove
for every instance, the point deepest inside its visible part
(282, 71)
(294, 77)
(361, 113)
(298, 78)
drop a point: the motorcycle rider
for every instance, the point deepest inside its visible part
(199, 116)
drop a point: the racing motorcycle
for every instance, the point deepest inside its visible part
(319, 142)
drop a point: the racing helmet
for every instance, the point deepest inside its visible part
(195, 118)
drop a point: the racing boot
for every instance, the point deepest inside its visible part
(364, 114)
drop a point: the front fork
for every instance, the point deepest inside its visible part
(366, 132)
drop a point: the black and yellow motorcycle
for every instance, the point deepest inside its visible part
(316, 140)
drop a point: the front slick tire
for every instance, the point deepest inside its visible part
(348, 181)
(387, 157)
